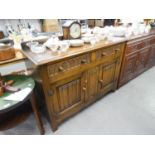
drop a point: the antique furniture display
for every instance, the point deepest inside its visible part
(82, 75)
(21, 82)
(139, 56)
(78, 78)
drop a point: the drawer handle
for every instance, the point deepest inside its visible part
(84, 88)
(61, 69)
(101, 81)
(104, 54)
(83, 61)
(117, 50)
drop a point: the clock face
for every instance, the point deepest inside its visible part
(75, 30)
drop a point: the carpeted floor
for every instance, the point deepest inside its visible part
(129, 110)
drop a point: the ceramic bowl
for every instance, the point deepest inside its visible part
(64, 46)
(38, 48)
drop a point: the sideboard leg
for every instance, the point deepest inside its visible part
(54, 125)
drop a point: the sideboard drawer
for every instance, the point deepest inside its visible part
(143, 44)
(112, 53)
(138, 45)
(105, 53)
(152, 41)
(69, 64)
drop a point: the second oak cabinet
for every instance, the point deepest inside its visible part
(139, 55)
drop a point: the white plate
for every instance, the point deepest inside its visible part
(88, 35)
(76, 43)
(87, 39)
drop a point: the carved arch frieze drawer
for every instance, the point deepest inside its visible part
(69, 64)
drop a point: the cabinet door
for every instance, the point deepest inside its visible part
(92, 76)
(129, 68)
(67, 95)
(142, 62)
(108, 75)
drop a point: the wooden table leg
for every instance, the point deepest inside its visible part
(37, 113)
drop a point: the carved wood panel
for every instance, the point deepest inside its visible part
(67, 94)
(107, 77)
(67, 65)
(142, 60)
(129, 68)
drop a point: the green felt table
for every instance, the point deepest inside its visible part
(20, 81)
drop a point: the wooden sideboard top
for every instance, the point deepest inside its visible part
(44, 58)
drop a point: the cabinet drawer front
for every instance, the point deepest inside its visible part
(105, 53)
(132, 47)
(112, 52)
(152, 41)
(67, 65)
(143, 44)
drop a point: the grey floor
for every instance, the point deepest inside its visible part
(129, 110)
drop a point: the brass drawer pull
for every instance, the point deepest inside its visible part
(84, 88)
(101, 81)
(61, 68)
(104, 54)
(83, 61)
(117, 50)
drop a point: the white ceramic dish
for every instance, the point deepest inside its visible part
(51, 41)
(33, 43)
(76, 43)
(87, 39)
(101, 37)
(38, 49)
(40, 38)
(53, 46)
(87, 35)
(64, 46)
